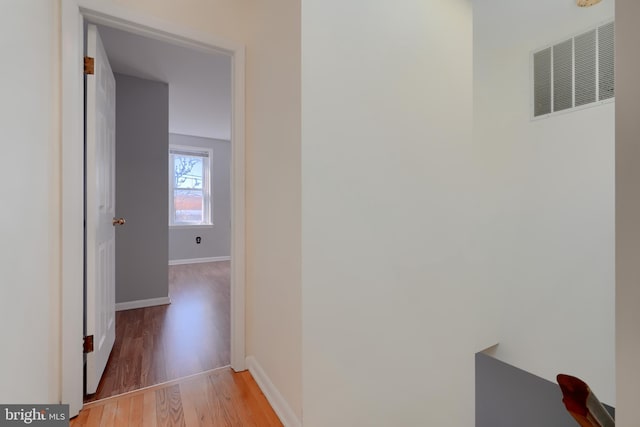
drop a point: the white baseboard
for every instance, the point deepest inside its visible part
(277, 401)
(129, 305)
(199, 260)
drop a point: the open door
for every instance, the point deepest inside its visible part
(99, 210)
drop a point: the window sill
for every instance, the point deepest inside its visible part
(189, 227)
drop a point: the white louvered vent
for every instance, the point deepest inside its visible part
(574, 73)
(563, 76)
(606, 57)
(585, 77)
(542, 82)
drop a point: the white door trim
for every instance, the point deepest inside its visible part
(72, 15)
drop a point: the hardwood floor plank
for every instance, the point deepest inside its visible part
(244, 397)
(146, 364)
(149, 411)
(189, 405)
(95, 416)
(215, 403)
(108, 418)
(259, 398)
(169, 407)
(194, 403)
(175, 406)
(126, 372)
(162, 407)
(137, 411)
(123, 412)
(159, 359)
(81, 419)
(232, 409)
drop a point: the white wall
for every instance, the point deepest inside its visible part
(550, 185)
(215, 239)
(392, 309)
(30, 241)
(29, 220)
(627, 213)
(274, 301)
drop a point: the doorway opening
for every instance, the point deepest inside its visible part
(74, 18)
(171, 184)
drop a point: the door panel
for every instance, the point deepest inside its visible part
(100, 209)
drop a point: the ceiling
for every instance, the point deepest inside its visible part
(540, 22)
(199, 83)
(540, 8)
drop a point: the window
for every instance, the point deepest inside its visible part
(189, 186)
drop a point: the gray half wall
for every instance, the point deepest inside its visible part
(216, 240)
(507, 397)
(142, 145)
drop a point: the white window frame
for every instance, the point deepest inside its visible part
(206, 185)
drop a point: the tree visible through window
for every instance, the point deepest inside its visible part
(189, 188)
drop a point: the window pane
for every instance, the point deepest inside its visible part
(188, 206)
(188, 171)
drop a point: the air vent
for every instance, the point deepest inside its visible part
(585, 77)
(606, 57)
(542, 81)
(563, 76)
(574, 73)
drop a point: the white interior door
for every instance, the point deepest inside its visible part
(100, 209)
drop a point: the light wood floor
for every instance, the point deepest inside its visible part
(158, 344)
(215, 399)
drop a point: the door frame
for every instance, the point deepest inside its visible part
(73, 15)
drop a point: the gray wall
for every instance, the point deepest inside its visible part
(216, 239)
(507, 396)
(142, 144)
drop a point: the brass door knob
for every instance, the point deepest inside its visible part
(118, 221)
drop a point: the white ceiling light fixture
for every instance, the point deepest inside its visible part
(587, 3)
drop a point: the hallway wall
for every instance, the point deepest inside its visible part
(30, 218)
(394, 308)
